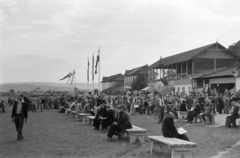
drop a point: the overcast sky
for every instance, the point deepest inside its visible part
(43, 40)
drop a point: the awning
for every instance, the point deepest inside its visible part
(167, 90)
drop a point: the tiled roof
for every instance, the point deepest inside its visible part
(134, 70)
(117, 77)
(184, 56)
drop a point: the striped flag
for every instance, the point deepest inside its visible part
(98, 59)
(73, 75)
(93, 67)
(67, 76)
(88, 70)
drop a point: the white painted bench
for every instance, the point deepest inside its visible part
(182, 114)
(90, 119)
(135, 133)
(67, 111)
(179, 148)
(198, 117)
(83, 115)
(73, 113)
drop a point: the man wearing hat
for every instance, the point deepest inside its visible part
(19, 115)
(123, 123)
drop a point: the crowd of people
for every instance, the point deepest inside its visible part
(114, 110)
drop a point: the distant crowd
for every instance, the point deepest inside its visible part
(107, 108)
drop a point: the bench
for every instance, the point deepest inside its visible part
(67, 111)
(90, 119)
(178, 148)
(74, 113)
(208, 120)
(182, 114)
(135, 133)
(83, 115)
(198, 117)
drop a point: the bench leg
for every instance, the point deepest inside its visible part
(80, 118)
(155, 146)
(181, 152)
(86, 120)
(141, 138)
(89, 122)
(133, 138)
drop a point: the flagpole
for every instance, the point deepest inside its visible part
(93, 73)
(99, 71)
(74, 83)
(88, 76)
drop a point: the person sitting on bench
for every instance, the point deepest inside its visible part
(87, 109)
(109, 119)
(232, 118)
(123, 123)
(169, 130)
(208, 107)
(196, 111)
(102, 112)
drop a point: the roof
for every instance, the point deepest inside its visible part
(185, 56)
(224, 72)
(117, 77)
(134, 70)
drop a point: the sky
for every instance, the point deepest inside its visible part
(44, 40)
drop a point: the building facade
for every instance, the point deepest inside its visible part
(183, 70)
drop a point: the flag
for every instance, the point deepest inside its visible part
(68, 80)
(67, 76)
(98, 58)
(88, 70)
(73, 75)
(93, 67)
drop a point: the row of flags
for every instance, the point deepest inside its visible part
(96, 65)
(70, 76)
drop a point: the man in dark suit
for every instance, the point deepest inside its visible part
(109, 119)
(123, 123)
(101, 113)
(19, 115)
(169, 130)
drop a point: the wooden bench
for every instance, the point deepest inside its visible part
(182, 114)
(179, 148)
(135, 133)
(67, 111)
(198, 117)
(83, 115)
(208, 120)
(73, 113)
(90, 119)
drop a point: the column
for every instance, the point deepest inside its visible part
(176, 71)
(181, 71)
(192, 68)
(187, 76)
(215, 64)
(160, 75)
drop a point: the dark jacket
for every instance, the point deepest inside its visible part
(168, 128)
(123, 121)
(110, 117)
(24, 109)
(102, 112)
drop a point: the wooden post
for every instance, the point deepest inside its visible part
(187, 75)
(181, 71)
(192, 68)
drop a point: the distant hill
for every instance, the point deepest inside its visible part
(45, 86)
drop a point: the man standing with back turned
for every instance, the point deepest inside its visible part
(19, 114)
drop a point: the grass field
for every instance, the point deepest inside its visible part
(51, 134)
